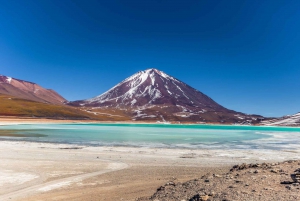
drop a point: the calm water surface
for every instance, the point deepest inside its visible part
(157, 135)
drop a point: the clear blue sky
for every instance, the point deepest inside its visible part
(243, 54)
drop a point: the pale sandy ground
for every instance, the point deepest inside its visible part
(44, 171)
(41, 171)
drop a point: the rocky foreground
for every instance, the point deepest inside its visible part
(267, 181)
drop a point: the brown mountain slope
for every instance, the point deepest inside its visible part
(28, 90)
(16, 107)
(13, 106)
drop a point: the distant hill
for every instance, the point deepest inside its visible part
(289, 120)
(19, 98)
(28, 90)
(153, 95)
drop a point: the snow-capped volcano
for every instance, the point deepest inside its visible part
(152, 94)
(28, 90)
(152, 87)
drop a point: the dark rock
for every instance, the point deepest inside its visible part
(274, 171)
(289, 187)
(285, 182)
(161, 188)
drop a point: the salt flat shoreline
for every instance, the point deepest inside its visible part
(39, 171)
(4, 120)
(47, 171)
(15, 121)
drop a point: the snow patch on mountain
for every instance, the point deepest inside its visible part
(8, 79)
(137, 87)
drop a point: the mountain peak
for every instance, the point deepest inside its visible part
(150, 71)
(151, 87)
(150, 76)
(153, 70)
(154, 95)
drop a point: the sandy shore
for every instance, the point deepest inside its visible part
(13, 120)
(43, 171)
(4, 120)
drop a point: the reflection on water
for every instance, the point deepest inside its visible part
(14, 133)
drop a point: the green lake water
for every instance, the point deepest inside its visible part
(157, 135)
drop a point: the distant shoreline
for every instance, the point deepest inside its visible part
(6, 120)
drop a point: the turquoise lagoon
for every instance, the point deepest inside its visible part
(157, 135)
